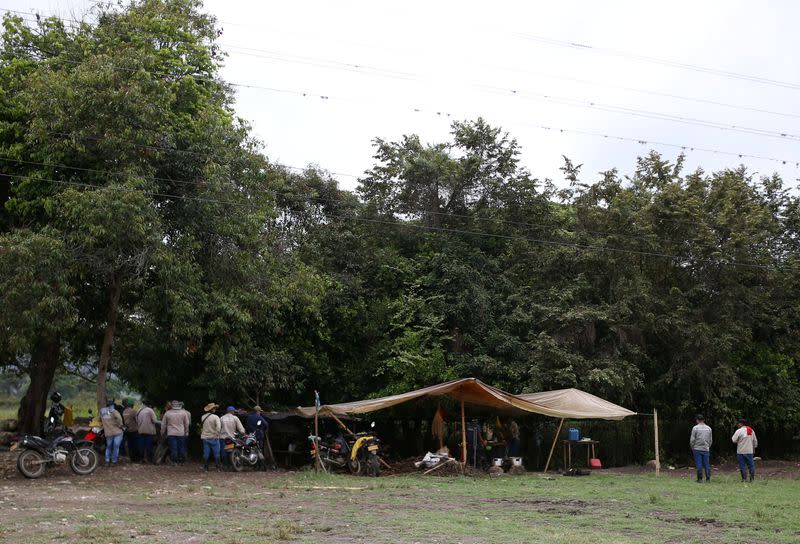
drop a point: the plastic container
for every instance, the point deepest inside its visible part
(516, 461)
(497, 462)
(573, 435)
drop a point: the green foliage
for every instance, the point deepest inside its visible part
(133, 191)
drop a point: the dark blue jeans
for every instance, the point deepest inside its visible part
(146, 447)
(112, 447)
(132, 442)
(702, 462)
(746, 462)
(177, 448)
(514, 448)
(210, 445)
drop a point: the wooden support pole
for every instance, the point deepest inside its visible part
(463, 435)
(655, 432)
(317, 460)
(342, 425)
(553, 447)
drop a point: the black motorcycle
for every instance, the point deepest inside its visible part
(245, 452)
(39, 452)
(358, 453)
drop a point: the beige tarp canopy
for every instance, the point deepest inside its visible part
(563, 403)
(467, 390)
(577, 404)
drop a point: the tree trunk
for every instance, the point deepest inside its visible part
(108, 339)
(44, 362)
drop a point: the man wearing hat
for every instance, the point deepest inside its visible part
(131, 430)
(146, 424)
(257, 423)
(175, 425)
(112, 428)
(746, 444)
(210, 434)
(230, 426)
(700, 442)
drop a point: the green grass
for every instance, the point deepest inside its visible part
(81, 405)
(140, 504)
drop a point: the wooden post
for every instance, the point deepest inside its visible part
(317, 462)
(553, 447)
(463, 435)
(342, 425)
(655, 432)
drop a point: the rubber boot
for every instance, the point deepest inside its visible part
(699, 476)
(708, 476)
(744, 476)
(752, 476)
(205, 466)
(219, 467)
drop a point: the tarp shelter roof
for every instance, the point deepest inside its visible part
(577, 404)
(469, 390)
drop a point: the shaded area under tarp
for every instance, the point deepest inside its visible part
(576, 404)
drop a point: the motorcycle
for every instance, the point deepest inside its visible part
(96, 436)
(39, 452)
(245, 452)
(358, 453)
(365, 454)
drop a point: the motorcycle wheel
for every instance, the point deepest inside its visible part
(236, 460)
(84, 461)
(373, 466)
(30, 464)
(354, 466)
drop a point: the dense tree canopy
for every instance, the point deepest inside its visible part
(138, 213)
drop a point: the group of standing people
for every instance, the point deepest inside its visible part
(216, 430)
(138, 428)
(746, 443)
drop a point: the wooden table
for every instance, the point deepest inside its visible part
(567, 446)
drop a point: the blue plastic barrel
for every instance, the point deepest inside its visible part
(573, 435)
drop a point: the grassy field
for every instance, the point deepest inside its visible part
(167, 504)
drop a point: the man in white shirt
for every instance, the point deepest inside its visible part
(230, 425)
(746, 444)
(700, 442)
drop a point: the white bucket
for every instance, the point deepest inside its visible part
(497, 462)
(516, 461)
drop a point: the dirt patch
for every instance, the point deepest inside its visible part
(764, 469)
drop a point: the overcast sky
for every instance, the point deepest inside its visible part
(413, 67)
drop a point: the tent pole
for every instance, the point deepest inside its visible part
(658, 455)
(463, 435)
(342, 425)
(553, 447)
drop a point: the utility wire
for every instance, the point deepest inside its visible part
(439, 113)
(433, 228)
(572, 102)
(663, 62)
(317, 200)
(549, 242)
(489, 66)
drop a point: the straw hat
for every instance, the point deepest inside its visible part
(210, 406)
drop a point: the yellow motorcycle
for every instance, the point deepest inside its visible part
(358, 453)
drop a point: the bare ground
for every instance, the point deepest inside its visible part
(137, 503)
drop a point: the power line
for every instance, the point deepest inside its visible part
(277, 193)
(663, 62)
(648, 92)
(433, 228)
(587, 104)
(490, 66)
(590, 104)
(641, 141)
(439, 113)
